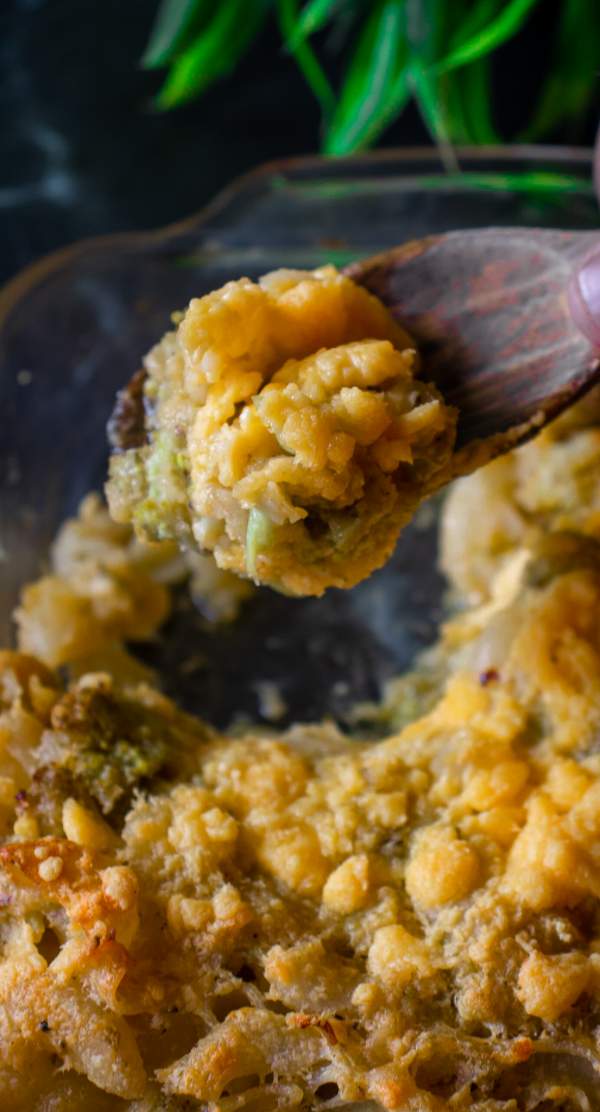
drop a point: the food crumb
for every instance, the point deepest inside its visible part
(195, 663)
(490, 675)
(26, 827)
(51, 868)
(271, 704)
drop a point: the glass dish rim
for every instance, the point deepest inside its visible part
(12, 290)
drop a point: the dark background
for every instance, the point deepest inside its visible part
(83, 153)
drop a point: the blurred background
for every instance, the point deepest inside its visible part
(131, 113)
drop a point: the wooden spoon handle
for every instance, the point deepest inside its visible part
(488, 309)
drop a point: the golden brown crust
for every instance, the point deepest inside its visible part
(303, 921)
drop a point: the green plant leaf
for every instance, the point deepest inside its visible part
(474, 82)
(459, 123)
(426, 28)
(215, 51)
(432, 106)
(469, 22)
(574, 72)
(503, 27)
(307, 60)
(376, 86)
(173, 20)
(313, 18)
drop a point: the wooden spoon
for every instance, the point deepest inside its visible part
(488, 310)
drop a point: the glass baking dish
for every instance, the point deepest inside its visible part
(74, 326)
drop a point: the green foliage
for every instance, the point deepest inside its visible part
(173, 22)
(376, 85)
(500, 28)
(574, 73)
(287, 11)
(213, 51)
(437, 52)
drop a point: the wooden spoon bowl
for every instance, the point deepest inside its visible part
(488, 309)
